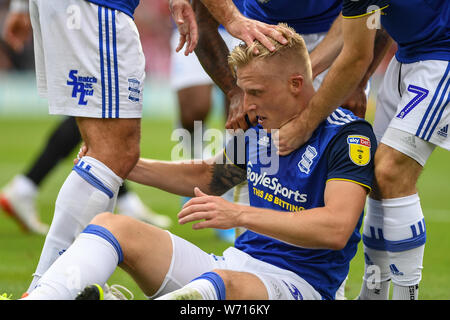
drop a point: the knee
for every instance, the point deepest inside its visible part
(386, 183)
(105, 220)
(229, 279)
(194, 103)
(123, 229)
(125, 159)
(228, 282)
(188, 118)
(116, 224)
(242, 285)
(385, 172)
(127, 149)
(132, 155)
(395, 173)
(225, 275)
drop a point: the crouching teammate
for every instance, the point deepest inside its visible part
(302, 228)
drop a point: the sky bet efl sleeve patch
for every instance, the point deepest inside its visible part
(359, 149)
(351, 153)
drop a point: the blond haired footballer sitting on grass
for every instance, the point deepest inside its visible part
(302, 228)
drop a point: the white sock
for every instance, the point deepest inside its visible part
(209, 285)
(91, 188)
(204, 287)
(376, 277)
(204, 290)
(370, 292)
(92, 258)
(405, 234)
(405, 293)
(407, 273)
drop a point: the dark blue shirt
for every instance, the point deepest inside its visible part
(341, 148)
(305, 16)
(421, 28)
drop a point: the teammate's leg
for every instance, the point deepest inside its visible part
(376, 279)
(377, 276)
(96, 74)
(404, 230)
(194, 104)
(146, 252)
(394, 231)
(408, 123)
(92, 186)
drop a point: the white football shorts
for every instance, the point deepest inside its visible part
(189, 262)
(414, 98)
(89, 59)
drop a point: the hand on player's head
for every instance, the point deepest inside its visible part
(249, 30)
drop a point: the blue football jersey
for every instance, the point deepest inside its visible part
(305, 16)
(239, 4)
(341, 148)
(126, 6)
(421, 28)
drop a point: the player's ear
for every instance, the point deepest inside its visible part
(296, 83)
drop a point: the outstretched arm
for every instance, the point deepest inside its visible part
(216, 175)
(181, 177)
(327, 227)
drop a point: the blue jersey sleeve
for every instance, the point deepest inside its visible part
(351, 155)
(355, 9)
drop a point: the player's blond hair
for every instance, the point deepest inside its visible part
(295, 48)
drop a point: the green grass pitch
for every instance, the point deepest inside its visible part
(22, 138)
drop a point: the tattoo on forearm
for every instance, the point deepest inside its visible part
(225, 177)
